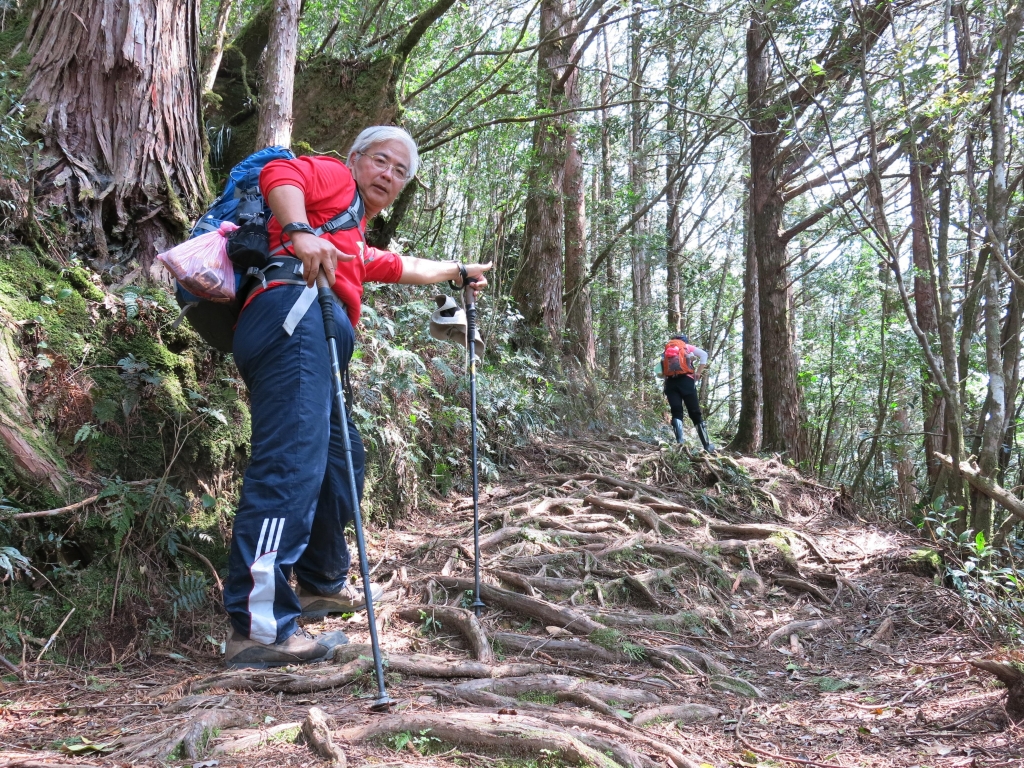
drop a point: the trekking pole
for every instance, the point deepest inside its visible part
(469, 302)
(326, 299)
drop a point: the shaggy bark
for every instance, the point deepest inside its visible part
(117, 89)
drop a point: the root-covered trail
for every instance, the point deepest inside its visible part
(645, 608)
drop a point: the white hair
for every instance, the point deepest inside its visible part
(378, 134)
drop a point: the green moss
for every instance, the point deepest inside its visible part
(927, 562)
(781, 543)
(609, 639)
(537, 697)
(13, 34)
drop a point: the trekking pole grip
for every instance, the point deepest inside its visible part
(323, 291)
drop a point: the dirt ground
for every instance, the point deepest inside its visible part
(645, 607)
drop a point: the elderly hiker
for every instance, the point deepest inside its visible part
(682, 365)
(295, 500)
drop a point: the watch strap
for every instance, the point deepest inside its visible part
(298, 226)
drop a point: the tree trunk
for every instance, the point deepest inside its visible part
(579, 317)
(995, 235)
(277, 86)
(641, 289)
(220, 30)
(749, 428)
(119, 84)
(783, 430)
(538, 287)
(925, 305)
(672, 162)
(611, 304)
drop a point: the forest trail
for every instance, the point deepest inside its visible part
(645, 607)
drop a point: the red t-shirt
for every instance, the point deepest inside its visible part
(328, 187)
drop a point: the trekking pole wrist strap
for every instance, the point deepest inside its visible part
(462, 274)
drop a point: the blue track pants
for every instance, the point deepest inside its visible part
(295, 500)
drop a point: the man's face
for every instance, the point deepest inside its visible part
(380, 174)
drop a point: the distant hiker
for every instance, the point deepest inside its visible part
(682, 365)
(295, 500)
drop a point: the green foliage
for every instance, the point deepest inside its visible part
(15, 150)
(11, 561)
(190, 593)
(422, 742)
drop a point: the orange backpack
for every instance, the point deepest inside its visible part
(675, 361)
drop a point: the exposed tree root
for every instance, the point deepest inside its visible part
(319, 679)
(192, 736)
(317, 733)
(649, 517)
(543, 611)
(801, 628)
(684, 713)
(464, 621)
(255, 738)
(503, 734)
(764, 531)
(550, 685)
(1013, 679)
(799, 585)
(511, 642)
(610, 729)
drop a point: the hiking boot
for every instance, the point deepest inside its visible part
(300, 648)
(677, 427)
(702, 433)
(346, 600)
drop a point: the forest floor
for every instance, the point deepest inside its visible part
(645, 607)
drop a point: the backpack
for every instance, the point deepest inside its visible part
(248, 247)
(675, 360)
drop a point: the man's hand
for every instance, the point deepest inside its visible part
(317, 253)
(475, 275)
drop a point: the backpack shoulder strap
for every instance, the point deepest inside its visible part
(347, 219)
(350, 218)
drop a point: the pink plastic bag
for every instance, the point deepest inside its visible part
(202, 265)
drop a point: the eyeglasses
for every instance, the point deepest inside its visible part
(381, 164)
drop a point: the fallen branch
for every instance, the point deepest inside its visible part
(985, 485)
(14, 669)
(70, 507)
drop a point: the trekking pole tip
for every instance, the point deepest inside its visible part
(382, 704)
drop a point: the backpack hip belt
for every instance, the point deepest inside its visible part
(287, 270)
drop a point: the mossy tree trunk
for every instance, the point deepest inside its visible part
(21, 440)
(117, 89)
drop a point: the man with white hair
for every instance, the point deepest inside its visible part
(295, 500)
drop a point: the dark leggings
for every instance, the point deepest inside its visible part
(682, 391)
